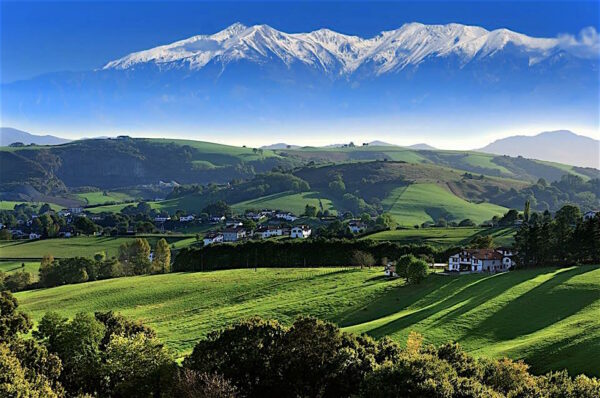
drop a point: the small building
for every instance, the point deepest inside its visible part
(186, 218)
(300, 231)
(286, 216)
(390, 270)
(212, 238)
(216, 219)
(33, 235)
(233, 224)
(265, 232)
(356, 227)
(233, 234)
(75, 210)
(588, 215)
(161, 219)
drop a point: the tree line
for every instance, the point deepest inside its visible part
(562, 239)
(107, 355)
(317, 252)
(133, 259)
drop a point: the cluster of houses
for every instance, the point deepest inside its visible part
(237, 233)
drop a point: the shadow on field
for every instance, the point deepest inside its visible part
(399, 298)
(577, 354)
(540, 307)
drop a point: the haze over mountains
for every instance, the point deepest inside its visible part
(9, 136)
(561, 146)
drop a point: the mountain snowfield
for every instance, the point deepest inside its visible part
(339, 54)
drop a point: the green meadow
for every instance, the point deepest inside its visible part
(80, 246)
(419, 203)
(548, 317)
(100, 197)
(445, 236)
(288, 201)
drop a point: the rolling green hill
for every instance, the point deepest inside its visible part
(546, 316)
(288, 201)
(445, 237)
(80, 246)
(419, 203)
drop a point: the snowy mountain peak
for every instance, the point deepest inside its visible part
(339, 54)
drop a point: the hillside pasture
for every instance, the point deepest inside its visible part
(444, 237)
(548, 317)
(80, 246)
(100, 197)
(287, 201)
(419, 203)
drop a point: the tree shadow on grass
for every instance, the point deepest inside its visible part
(399, 298)
(540, 307)
(576, 354)
(470, 296)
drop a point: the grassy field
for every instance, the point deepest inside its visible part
(444, 236)
(79, 246)
(419, 203)
(15, 266)
(10, 205)
(288, 201)
(100, 197)
(549, 317)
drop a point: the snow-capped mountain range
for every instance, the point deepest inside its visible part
(339, 54)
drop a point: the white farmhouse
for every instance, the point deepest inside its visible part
(268, 231)
(33, 235)
(301, 231)
(233, 234)
(286, 216)
(356, 227)
(186, 218)
(482, 260)
(213, 238)
(590, 214)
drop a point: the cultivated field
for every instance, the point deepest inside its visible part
(445, 236)
(81, 246)
(549, 317)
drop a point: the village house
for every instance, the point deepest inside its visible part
(300, 231)
(233, 224)
(233, 234)
(161, 219)
(481, 260)
(265, 232)
(186, 218)
(211, 238)
(33, 235)
(390, 270)
(76, 210)
(589, 215)
(217, 219)
(286, 216)
(356, 227)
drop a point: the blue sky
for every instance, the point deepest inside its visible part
(48, 36)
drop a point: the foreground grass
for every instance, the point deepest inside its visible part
(443, 237)
(81, 246)
(549, 317)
